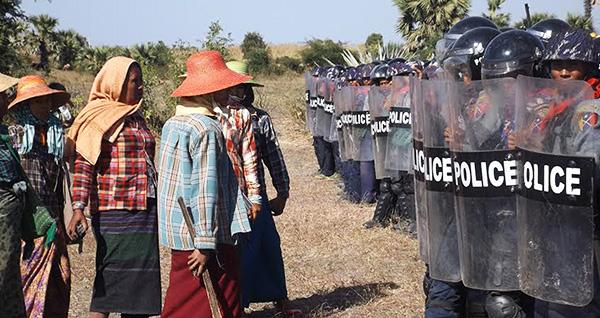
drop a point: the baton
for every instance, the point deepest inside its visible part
(210, 289)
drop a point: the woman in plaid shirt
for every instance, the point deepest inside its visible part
(195, 166)
(263, 272)
(114, 172)
(38, 137)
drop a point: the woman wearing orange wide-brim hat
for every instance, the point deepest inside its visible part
(38, 137)
(194, 165)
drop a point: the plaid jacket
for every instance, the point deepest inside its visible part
(119, 180)
(194, 164)
(44, 171)
(269, 153)
(241, 146)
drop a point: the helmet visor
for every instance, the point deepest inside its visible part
(506, 69)
(441, 48)
(458, 68)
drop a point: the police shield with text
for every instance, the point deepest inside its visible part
(555, 200)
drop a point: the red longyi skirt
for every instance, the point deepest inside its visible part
(186, 296)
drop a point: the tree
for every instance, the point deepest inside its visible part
(152, 54)
(318, 51)
(587, 9)
(217, 41)
(256, 53)
(69, 46)
(422, 22)
(252, 41)
(44, 34)
(500, 19)
(535, 18)
(10, 18)
(373, 43)
(580, 21)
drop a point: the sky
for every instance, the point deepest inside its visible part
(126, 22)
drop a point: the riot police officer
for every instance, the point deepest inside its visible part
(570, 55)
(509, 55)
(448, 297)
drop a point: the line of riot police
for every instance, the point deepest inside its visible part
(490, 154)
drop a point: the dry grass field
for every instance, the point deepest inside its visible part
(334, 267)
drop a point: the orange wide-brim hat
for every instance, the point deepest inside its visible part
(33, 86)
(207, 73)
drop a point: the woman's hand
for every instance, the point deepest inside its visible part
(77, 226)
(254, 210)
(198, 260)
(278, 205)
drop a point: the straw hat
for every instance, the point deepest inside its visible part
(32, 86)
(7, 82)
(207, 73)
(242, 68)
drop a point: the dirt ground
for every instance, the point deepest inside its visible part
(334, 267)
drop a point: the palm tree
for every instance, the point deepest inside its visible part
(69, 46)
(580, 21)
(423, 21)
(587, 9)
(535, 18)
(500, 19)
(44, 34)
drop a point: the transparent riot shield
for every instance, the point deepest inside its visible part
(419, 163)
(329, 109)
(379, 97)
(555, 215)
(443, 242)
(347, 98)
(399, 142)
(320, 115)
(360, 124)
(341, 102)
(336, 122)
(485, 176)
(311, 110)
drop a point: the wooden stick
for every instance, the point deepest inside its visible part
(210, 289)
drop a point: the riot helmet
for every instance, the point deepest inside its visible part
(572, 53)
(460, 28)
(381, 73)
(400, 69)
(547, 29)
(364, 74)
(334, 71)
(395, 60)
(506, 29)
(512, 53)
(463, 61)
(317, 71)
(351, 74)
(571, 45)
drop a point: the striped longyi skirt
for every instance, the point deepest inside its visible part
(127, 262)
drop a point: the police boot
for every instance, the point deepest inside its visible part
(499, 305)
(385, 205)
(404, 205)
(410, 206)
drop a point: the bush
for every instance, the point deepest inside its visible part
(257, 54)
(259, 61)
(318, 50)
(290, 63)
